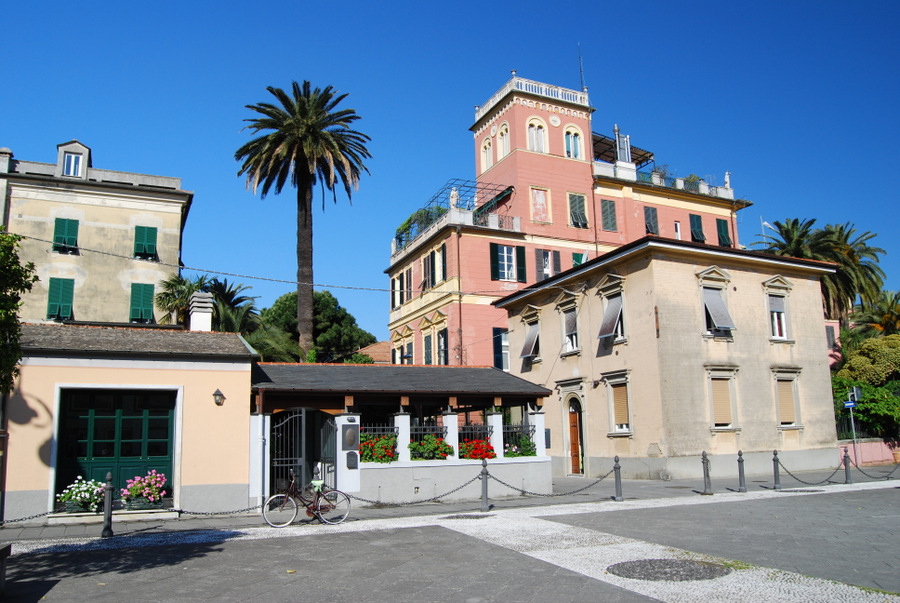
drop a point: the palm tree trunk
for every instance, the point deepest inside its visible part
(305, 264)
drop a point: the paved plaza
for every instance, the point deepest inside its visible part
(824, 543)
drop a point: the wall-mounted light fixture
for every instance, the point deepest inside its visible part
(219, 397)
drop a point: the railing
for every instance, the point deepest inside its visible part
(845, 429)
(475, 432)
(518, 440)
(379, 430)
(533, 87)
(418, 432)
(692, 186)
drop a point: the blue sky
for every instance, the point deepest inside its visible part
(798, 100)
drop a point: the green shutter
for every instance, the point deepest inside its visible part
(444, 262)
(59, 300)
(521, 274)
(150, 240)
(147, 303)
(577, 259)
(141, 302)
(722, 228)
(139, 240)
(697, 229)
(65, 234)
(495, 262)
(651, 221)
(53, 299)
(608, 210)
(135, 301)
(144, 241)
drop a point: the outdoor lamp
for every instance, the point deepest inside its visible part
(219, 397)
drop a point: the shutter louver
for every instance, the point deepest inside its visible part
(721, 392)
(786, 409)
(620, 404)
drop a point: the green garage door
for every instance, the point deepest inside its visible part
(126, 432)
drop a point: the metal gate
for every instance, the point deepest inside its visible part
(302, 439)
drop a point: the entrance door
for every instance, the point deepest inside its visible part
(125, 432)
(575, 436)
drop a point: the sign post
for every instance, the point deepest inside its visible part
(854, 396)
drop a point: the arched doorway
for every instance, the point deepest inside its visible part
(576, 448)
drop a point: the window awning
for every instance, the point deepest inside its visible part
(529, 349)
(715, 305)
(611, 317)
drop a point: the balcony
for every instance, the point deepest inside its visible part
(459, 202)
(535, 88)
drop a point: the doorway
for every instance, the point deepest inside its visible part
(576, 447)
(302, 439)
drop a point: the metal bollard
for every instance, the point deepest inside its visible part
(847, 477)
(707, 484)
(775, 466)
(742, 481)
(484, 487)
(618, 469)
(107, 507)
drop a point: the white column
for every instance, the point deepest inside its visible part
(401, 422)
(495, 421)
(451, 422)
(540, 440)
(346, 463)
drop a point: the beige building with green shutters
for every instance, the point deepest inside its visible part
(101, 240)
(663, 349)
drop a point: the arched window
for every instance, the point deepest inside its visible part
(503, 141)
(487, 155)
(536, 136)
(573, 143)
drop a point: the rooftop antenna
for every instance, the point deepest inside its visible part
(580, 66)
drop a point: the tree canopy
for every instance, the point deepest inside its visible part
(15, 279)
(306, 139)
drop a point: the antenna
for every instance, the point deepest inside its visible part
(580, 66)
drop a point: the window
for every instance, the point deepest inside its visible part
(394, 303)
(59, 301)
(442, 354)
(141, 303)
(613, 326)
(72, 164)
(444, 262)
(578, 259)
(678, 230)
(536, 134)
(720, 388)
(777, 317)
(830, 338)
(532, 347)
(503, 141)
(487, 155)
(577, 214)
(540, 205)
(697, 235)
(573, 143)
(409, 284)
(408, 353)
(428, 270)
(427, 348)
(718, 320)
(608, 211)
(145, 242)
(651, 222)
(501, 349)
(65, 236)
(507, 263)
(570, 329)
(618, 401)
(722, 230)
(787, 405)
(546, 263)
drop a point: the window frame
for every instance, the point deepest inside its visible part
(443, 347)
(547, 263)
(611, 290)
(536, 138)
(487, 154)
(145, 242)
(548, 210)
(568, 310)
(608, 215)
(516, 266)
(651, 221)
(572, 143)
(427, 348)
(790, 377)
(140, 312)
(582, 224)
(618, 382)
(697, 235)
(63, 290)
(778, 288)
(722, 233)
(72, 164)
(500, 340)
(503, 142)
(729, 375)
(531, 349)
(65, 236)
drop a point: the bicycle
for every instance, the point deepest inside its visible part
(326, 504)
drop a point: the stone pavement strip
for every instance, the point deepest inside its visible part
(776, 546)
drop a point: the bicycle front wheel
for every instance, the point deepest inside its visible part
(333, 507)
(280, 510)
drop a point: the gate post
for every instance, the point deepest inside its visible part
(401, 422)
(347, 453)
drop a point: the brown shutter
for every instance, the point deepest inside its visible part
(620, 404)
(721, 393)
(786, 402)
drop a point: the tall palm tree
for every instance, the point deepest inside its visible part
(306, 141)
(879, 316)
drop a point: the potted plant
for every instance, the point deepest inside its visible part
(476, 449)
(430, 448)
(144, 492)
(82, 496)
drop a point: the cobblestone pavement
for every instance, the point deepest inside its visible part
(776, 546)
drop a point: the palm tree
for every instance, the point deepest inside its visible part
(880, 316)
(174, 299)
(797, 239)
(229, 296)
(307, 140)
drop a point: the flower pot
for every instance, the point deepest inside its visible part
(73, 506)
(896, 456)
(142, 504)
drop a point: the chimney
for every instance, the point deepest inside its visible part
(201, 308)
(5, 156)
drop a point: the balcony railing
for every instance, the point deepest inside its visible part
(536, 88)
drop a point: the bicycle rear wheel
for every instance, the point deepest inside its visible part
(280, 510)
(333, 507)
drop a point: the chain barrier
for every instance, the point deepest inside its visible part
(888, 476)
(6, 521)
(552, 495)
(414, 502)
(237, 512)
(824, 481)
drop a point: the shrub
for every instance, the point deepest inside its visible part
(150, 487)
(520, 446)
(477, 449)
(377, 448)
(431, 447)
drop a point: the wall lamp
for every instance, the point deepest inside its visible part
(218, 397)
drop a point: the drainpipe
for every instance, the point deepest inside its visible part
(459, 335)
